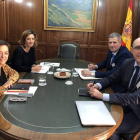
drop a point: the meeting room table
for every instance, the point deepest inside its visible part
(51, 114)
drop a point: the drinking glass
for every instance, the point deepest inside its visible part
(42, 80)
(51, 69)
(69, 80)
(74, 73)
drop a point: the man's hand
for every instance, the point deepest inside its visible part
(95, 93)
(86, 73)
(89, 86)
(36, 68)
(91, 67)
(95, 86)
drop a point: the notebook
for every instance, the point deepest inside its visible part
(26, 81)
(78, 70)
(32, 90)
(19, 88)
(94, 113)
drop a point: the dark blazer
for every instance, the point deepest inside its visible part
(121, 55)
(123, 76)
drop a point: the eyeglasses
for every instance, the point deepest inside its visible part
(18, 99)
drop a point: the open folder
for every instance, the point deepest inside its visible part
(44, 69)
(94, 113)
(78, 70)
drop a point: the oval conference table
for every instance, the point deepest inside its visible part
(51, 114)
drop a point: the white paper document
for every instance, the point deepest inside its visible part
(32, 90)
(94, 113)
(78, 70)
(44, 69)
(63, 69)
(50, 64)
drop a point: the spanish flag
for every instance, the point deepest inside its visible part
(127, 29)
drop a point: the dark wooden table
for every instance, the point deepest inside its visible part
(51, 113)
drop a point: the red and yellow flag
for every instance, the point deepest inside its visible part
(127, 29)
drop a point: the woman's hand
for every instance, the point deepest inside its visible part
(36, 68)
(8, 84)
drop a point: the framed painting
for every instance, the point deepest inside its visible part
(70, 15)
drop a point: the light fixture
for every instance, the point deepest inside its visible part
(100, 3)
(29, 4)
(18, 1)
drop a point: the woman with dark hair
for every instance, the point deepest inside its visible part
(24, 55)
(8, 76)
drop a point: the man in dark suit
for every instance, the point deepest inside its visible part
(116, 55)
(129, 76)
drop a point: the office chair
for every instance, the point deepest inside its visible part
(68, 50)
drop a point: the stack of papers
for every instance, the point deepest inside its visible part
(78, 70)
(50, 64)
(63, 70)
(32, 90)
(44, 69)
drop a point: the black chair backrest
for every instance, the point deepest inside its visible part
(68, 50)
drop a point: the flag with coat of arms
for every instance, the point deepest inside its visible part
(127, 29)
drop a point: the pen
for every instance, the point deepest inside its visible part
(88, 62)
(93, 84)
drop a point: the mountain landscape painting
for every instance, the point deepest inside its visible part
(70, 13)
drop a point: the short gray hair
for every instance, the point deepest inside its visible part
(112, 35)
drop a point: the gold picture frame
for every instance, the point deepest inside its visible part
(65, 16)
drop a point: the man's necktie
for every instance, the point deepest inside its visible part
(134, 79)
(113, 56)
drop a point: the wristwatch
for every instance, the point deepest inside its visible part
(93, 74)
